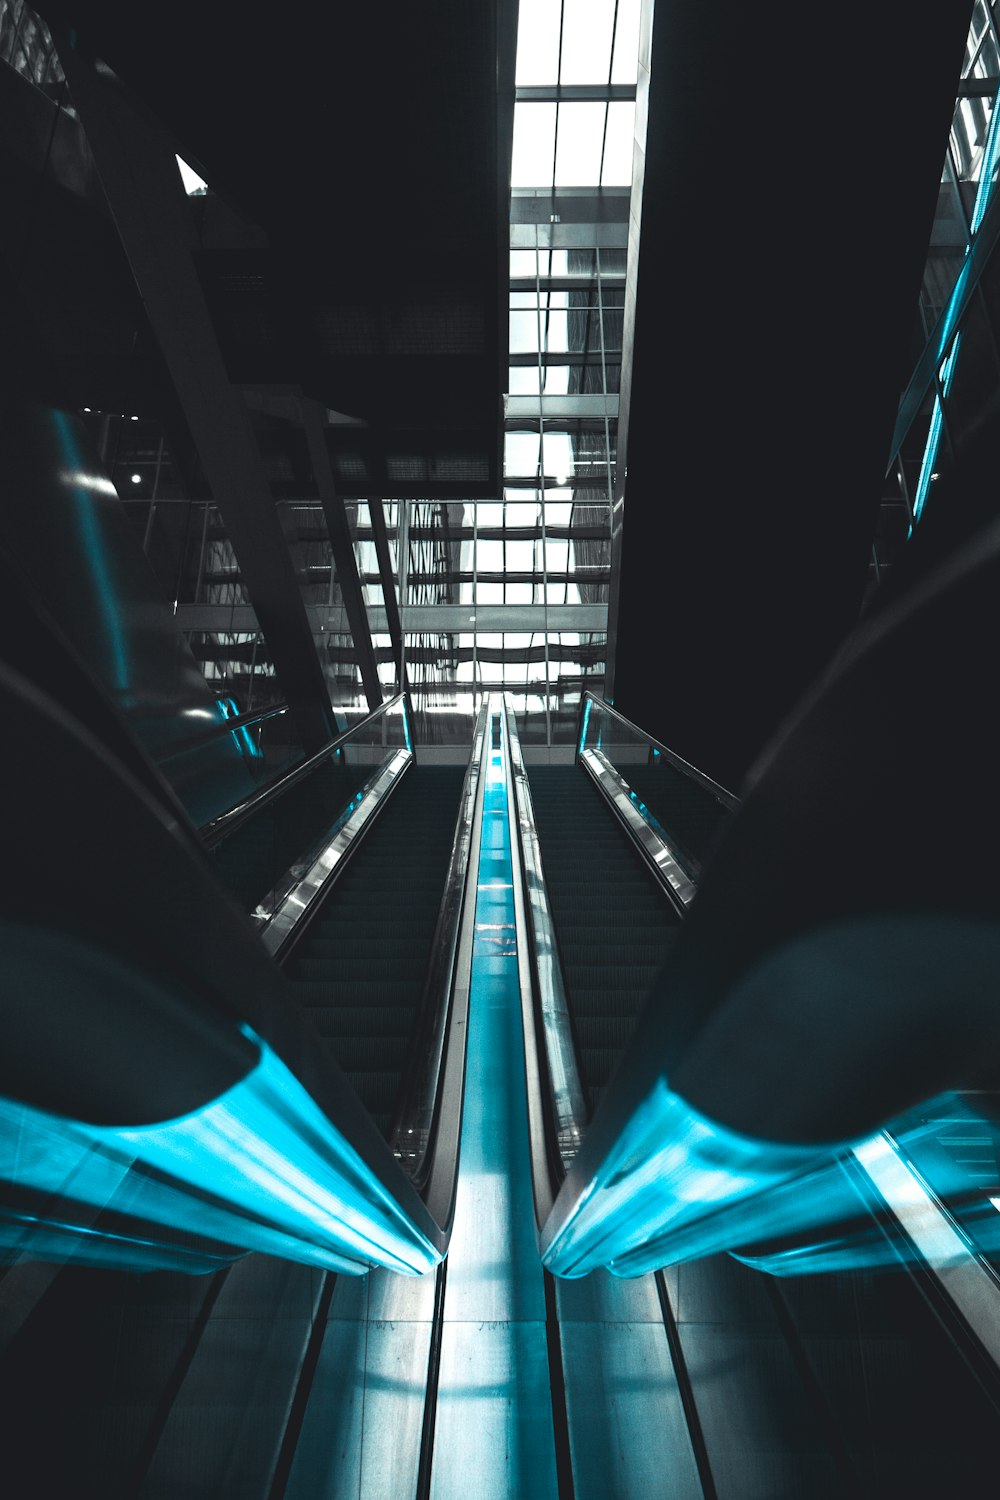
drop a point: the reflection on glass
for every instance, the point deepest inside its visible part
(668, 793)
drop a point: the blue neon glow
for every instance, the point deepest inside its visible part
(83, 487)
(933, 1170)
(242, 738)
(583, 727)
(677, 1187)
(984, 189)
(666, 1190)
(259, 1168)
(406, 729)
(26, 1238)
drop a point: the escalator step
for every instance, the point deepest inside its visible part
(386, 964)
(359, 992)
(333, 1021)
(611, 979)
(360, 969)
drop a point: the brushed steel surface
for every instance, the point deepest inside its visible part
(226, 1425)
(493, 1434)
(493, 1439)
(362, 1429)
(628, 1433)
(278, 923)
(661, 856)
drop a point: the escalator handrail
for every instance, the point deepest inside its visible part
(566, 1110)
(438, 1074)
(728, 798)
(217, 1001)
(217, 730)
(219, 828)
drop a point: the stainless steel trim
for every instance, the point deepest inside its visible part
(968, 1282)
(663, 859)
(309, 881)
(224, 726)
(568, 1105)
(226, 823)
(544, 1187)
(432, 1107)
(680, 764)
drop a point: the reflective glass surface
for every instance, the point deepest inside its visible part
(261, 857)
(687, 811)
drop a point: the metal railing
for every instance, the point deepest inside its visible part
(226, 823)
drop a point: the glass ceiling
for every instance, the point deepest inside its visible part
(510, 592)
(513, 592)
(568, 48)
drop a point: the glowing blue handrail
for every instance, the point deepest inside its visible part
(261, 1167)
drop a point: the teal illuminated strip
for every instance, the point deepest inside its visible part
(662, 1193)
(583, 727)
(984, 189)
(259, 1168)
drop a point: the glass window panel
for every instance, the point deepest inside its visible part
(520, 556)
(557, 512)
(554, 262)
(618, 144)
(581, 136)
(489, 593)
(489, 513)
(556, 380)
(520, 454)
(524, 332)
(625, 67)
(586, 40)
(538, 43)
(520, 593)
(558, 456)
(523, 299)
(534, 142)
(556, 332)
(523, 262)
(523, 380)
(489, 555)
(521, 513)
(557, 556)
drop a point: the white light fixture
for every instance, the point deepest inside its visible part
(136, 478)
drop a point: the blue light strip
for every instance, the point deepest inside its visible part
(984, 189)
(583, 727)
(260, 1168)
(664, 1191)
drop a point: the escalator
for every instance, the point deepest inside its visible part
(768, 1385)
(365, 966)
(361, 966)
(614, 924)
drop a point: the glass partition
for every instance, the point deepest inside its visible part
(687, 809)
(262, 848)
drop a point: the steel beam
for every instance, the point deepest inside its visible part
(342, 547)
(136, 163)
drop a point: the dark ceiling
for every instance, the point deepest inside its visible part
(370, 145)
(792, 169)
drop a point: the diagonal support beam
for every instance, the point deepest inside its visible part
(135, 160)
(342, 547)
(388, 580)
